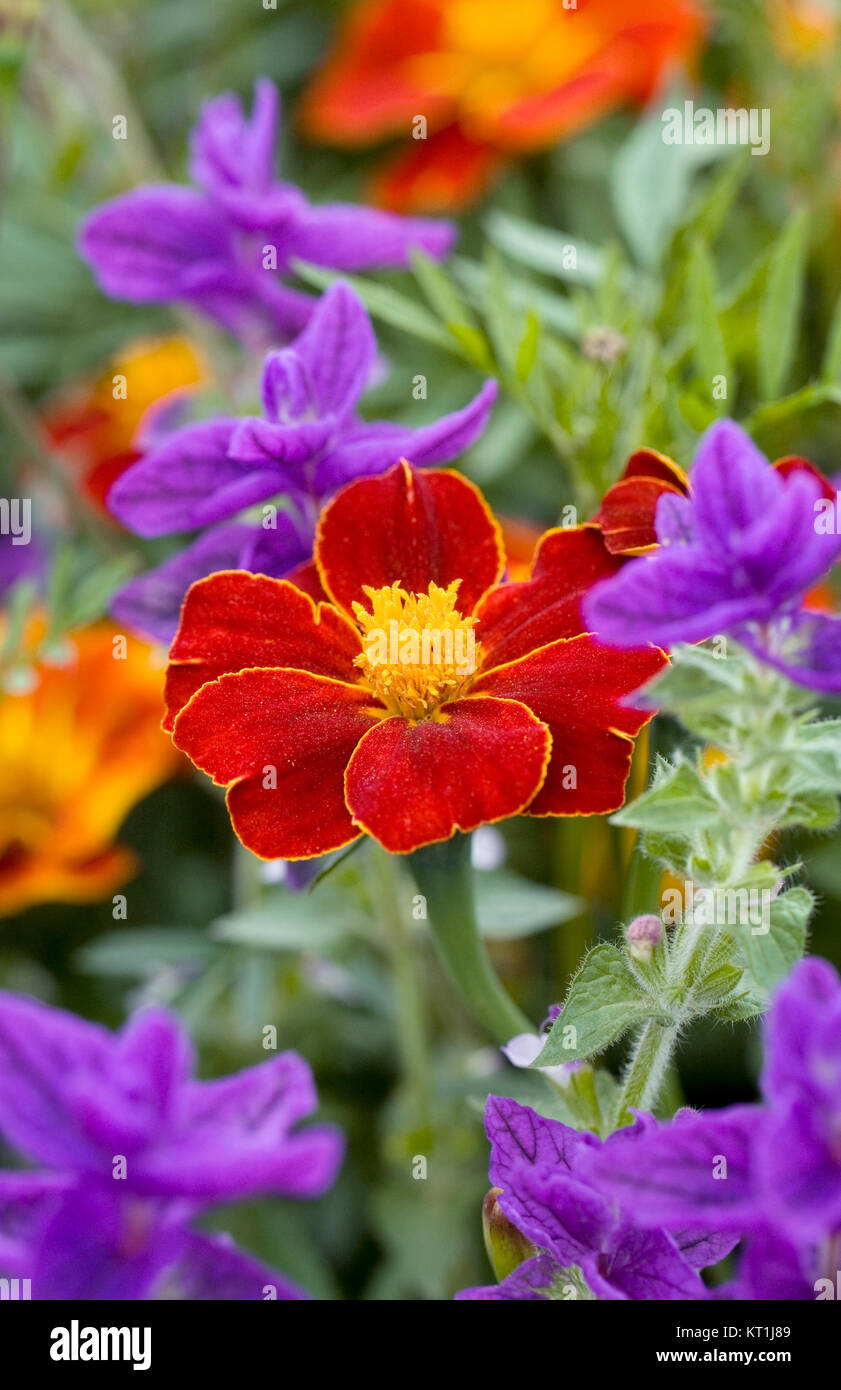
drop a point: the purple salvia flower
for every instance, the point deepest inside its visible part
(308, 443)
(737, 556)
(542, 1168)
(771, 1171)
(132, 1147)
(210, 246)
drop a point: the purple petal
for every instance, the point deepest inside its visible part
(126, 1109)
(641, 1265)
(346, 237)
(287, 388)
(151, 603)
(25, 1200)
(805, 646)
(568, 1218)
(703, 1248)
(678, 594)
(235, 1139)
(781, 553)
(371, 449)
(798, 1167)
(98, 1246)
(229, 153)
(257, 443)
(772, 1268)
(212, 1267)
(674, 1176)
(732, 483)
(187, 482)
(534, 1281)
(40, 1050)
(145, 245)
(673, 520)
(797, 1034)
(337, 350)
(21, 562)
(276, 551)
(520, 1136)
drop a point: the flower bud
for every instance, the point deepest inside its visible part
(506, 1246)
(642, 935)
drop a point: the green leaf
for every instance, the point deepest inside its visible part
(678, 797)
(439, 290)
(604, 1001)
(509, 905)
(544, 249)
(831, 364)
(137, 952)
(553, 309)
(710, 349)
(384, 303)
(474, 346)
(714, 989)
(780, 306)
(769, 955)
(651, 184)
(813, 808)
(527, 351)
(294, 921)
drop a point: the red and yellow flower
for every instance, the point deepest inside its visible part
(76, 753)
(493, 79)
(318, 736)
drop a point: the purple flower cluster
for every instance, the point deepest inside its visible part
(770, 1172)
(132, 1148)
(309, 442)
(226, 247)
(737, 556)
(544, 1169)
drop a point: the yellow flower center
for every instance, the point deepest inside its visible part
(417, 649)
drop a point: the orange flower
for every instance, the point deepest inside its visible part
(76, 753)
(95, 429)
(492, 78)
(804, 31)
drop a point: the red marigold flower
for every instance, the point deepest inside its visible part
(493, 79)
(628, 509)
(421, 696)
(626, 515)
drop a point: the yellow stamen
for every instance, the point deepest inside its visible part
(418, 650)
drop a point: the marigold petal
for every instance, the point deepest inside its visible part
(363, 91)
(443, 173)
(627, 514)
(234, 620)
(38, 877)
(410, 527)
(413, 784)
(577, 687)
(792, 463)
(517, 618)
(292, 730)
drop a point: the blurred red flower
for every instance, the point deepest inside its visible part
(492, 79)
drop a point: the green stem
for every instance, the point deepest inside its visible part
(444, 877)
(646, 1070)
(412, 1025)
